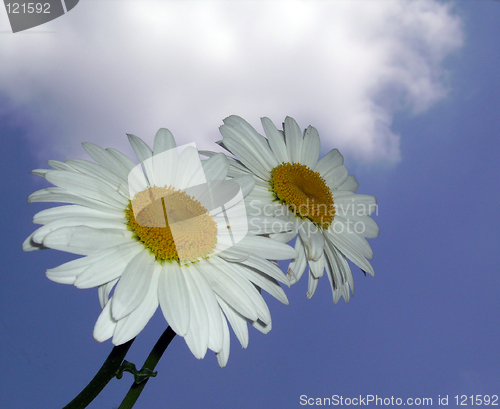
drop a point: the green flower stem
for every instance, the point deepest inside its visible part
(101, 379)
(150, 364)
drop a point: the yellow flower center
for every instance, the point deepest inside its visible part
(171, 224)
(304, 191)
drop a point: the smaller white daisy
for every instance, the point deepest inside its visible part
(152, 235)
(317, 197)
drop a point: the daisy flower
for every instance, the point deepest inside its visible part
(167, 232)
(317, 197)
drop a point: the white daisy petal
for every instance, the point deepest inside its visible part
(346, 271)
(345, 246)
(246, 182)
(336, 177)
(56, 164)
(276, 140)
(261, 326)
(237, 321)
(257, 140)
(298, 265)
(345, 293)
(55, 213)
(174, 298)
(350, 184)
(261, 193)
(340, 193)
(141, 149)
(131, 325)
(114, 181)
(284, 237)
(263, 312)
(106, 159)
(66, 276)
(123, 164)
(165, 166)
(208, 154)
(331, 160)
(144, 154)
(247, 157)
(311, 147)
(365, 225)
(72, 269)
(236, 173)
(40, 172)
(58, 195)
(361, 205)
(84, 240)
(30, 245)
(266, 283)
(234, 138)
(93, 169)
(40, 233)
(105, 325)
(312, 285)
(256, 207)
(86, 186)
(133, 285)
(223, 355)
(331, 277)
(313, 239)
(266, 225)
(230, 287)
(104, 290)
(216, 167)
(272, 250)
(339, 274)
(294, 139)
(109, 267)
(192, 171)
(210, 305)
(257, 263)
(198, 332)
(317, 267)
(349, 233)
(236, 165)
(164, 141)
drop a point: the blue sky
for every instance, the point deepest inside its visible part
(410, 96)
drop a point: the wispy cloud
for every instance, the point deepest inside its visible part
(346, 67)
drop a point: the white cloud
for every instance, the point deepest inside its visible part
(345, 67)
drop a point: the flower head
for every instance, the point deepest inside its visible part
(316, 197)
(169, 232)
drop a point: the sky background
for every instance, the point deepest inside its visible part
(407, 90)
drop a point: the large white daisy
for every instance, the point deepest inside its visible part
(316, 197)
(160, 233)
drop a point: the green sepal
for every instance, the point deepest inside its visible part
(139, 376)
